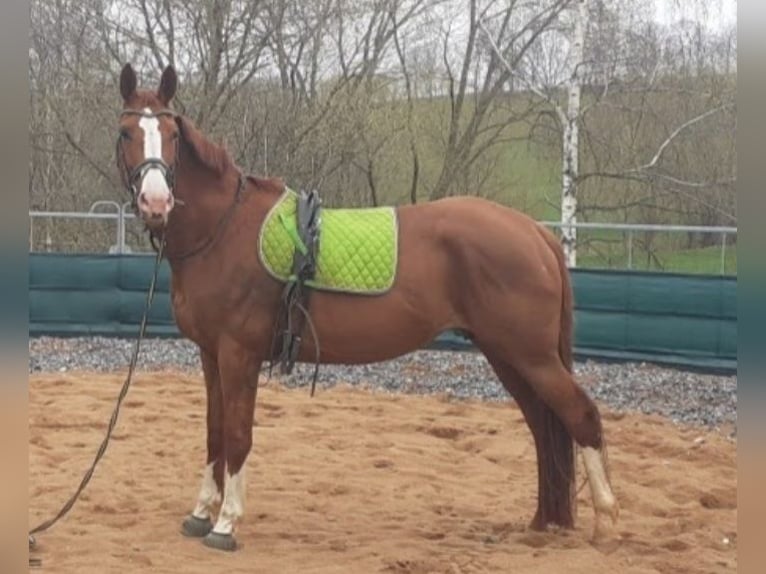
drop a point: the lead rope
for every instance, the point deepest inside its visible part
(112, 422)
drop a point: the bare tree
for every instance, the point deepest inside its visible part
(629, 70)
(476, 78)
(391, 101)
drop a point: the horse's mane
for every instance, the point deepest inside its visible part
(209, 154)
(216, 157)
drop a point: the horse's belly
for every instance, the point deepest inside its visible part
(368, 329)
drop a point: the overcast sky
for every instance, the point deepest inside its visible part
(717, 14)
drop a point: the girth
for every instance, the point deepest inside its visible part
(293, 312)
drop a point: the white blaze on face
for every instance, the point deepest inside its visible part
(208, 494)
(233, 503)
(153, 187)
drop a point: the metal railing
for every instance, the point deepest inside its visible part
(603, 245)
(630, 230)
(119, 213)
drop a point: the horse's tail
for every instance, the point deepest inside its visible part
(556, 457)
(567, 306)
(566, 321)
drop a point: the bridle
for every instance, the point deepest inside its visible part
(131, 178)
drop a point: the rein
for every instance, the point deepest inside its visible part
(115, 413)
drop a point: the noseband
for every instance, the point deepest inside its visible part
(132, 178)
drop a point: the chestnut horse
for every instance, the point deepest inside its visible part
(463, 263)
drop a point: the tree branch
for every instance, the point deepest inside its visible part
(514, 73)
(686, 125)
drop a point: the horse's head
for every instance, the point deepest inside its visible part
(147, 147)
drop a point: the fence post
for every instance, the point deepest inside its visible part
(630, 249)
(124, 215)
(723, 254)
(96, 204)
(121, 228)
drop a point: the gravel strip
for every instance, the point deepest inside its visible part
(684, 397)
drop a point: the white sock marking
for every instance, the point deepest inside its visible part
(208, 494)
(603, 498)
(233, 503)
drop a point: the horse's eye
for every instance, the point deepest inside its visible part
(174, 136)
(124, 134)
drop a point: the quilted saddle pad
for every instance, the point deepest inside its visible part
(357, 247)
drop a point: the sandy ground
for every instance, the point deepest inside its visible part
(357, 482)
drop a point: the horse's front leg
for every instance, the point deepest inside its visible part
(198, 524)
(239, 371)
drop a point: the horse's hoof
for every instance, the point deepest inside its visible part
(220, 541)
(194, 527)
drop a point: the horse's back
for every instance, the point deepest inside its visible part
(477, 228)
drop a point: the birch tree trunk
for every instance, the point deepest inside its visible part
(571, 139)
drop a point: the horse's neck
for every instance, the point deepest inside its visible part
(204, 198)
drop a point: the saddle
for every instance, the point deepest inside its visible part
(294, 304)
(308, 248)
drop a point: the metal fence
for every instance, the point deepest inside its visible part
(111, 227)
(655, 247)
(107, 226)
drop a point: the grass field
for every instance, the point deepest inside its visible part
(599, 250)
(526, 174)
(706, 260)
(527, 179)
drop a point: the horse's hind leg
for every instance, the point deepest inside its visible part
(555, 385)
(199, 523)
(555, 451)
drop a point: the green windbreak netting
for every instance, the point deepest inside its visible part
(677, 319)
(661, 315)
(96, 295)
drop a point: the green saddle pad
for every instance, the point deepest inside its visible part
(357, 247)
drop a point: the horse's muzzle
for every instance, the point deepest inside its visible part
(155, 207)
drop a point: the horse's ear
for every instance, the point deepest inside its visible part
(128, 82)
(168, 85)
